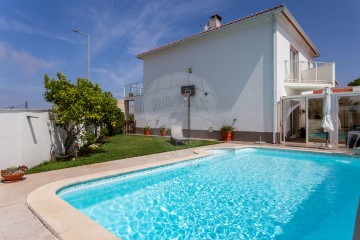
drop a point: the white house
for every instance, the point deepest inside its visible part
(240, 71)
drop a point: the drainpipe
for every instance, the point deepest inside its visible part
(274, 78)
(282, 139)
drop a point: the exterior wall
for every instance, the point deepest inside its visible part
(138, 112)
(285, 38)
(27, 140)
(245, 136)
(124, 105)
(238, 64)
(121, 104)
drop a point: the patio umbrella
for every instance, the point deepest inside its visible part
(326, 122)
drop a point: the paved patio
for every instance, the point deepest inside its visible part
(18, 222)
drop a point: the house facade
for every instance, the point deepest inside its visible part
(240, 72)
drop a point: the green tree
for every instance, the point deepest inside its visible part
(356, 82)
(93, 101)
(111, 116)
(78, 106)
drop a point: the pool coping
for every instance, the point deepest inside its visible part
(67, 223)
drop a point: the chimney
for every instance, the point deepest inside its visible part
(214, 22)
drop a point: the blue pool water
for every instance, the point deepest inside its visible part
(251, 193)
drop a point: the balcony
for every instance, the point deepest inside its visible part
(305, 75)
(133, 89)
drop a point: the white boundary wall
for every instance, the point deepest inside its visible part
(27, 137)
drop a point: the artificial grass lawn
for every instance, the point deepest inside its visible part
(120, 147)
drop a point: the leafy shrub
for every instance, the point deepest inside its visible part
(163, 128)
(117, 126)
(93, 147)
(89, 138)
(226, 128)
(103, 136)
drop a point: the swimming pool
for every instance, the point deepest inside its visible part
(249, 193)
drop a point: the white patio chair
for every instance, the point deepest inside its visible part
(177, 135)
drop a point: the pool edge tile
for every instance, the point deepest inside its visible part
(59, 220)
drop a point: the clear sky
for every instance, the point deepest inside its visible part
(36, 37)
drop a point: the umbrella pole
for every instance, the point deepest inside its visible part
(327, 138)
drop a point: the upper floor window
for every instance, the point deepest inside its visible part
(294, 63)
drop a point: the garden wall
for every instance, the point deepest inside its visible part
(27, 137)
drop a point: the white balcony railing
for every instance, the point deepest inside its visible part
(309, 72)
(134, 89)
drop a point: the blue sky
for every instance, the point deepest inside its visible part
(36, 37)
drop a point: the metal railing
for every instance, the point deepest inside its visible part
(130, 127)
(134, 89)
(309, 72)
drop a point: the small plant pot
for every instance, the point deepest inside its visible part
(226, 136)
(146, 132)
(163, 133)
(13, 177)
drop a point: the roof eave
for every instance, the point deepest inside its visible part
(201, 34)
(300, 31)
(281, 8)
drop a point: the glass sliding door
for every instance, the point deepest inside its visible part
(302, 117)
(294, 119)
(348, 116)
(316, 132)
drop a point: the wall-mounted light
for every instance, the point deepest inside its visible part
(233, 123)
(189, 70)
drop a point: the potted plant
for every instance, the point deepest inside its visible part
(13, 173)
(163, 130)
(226, 133)
(147, 130)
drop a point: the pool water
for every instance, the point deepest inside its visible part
(251, 193)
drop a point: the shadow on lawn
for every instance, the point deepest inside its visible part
(88, 153)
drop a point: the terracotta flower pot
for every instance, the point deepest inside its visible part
(146, 132)
(226, 136)
(163, 133)
(13, 177)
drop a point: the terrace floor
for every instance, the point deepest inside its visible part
(18, 222)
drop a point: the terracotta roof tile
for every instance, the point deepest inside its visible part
(334, 90)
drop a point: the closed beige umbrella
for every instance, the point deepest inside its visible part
(326, 122)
